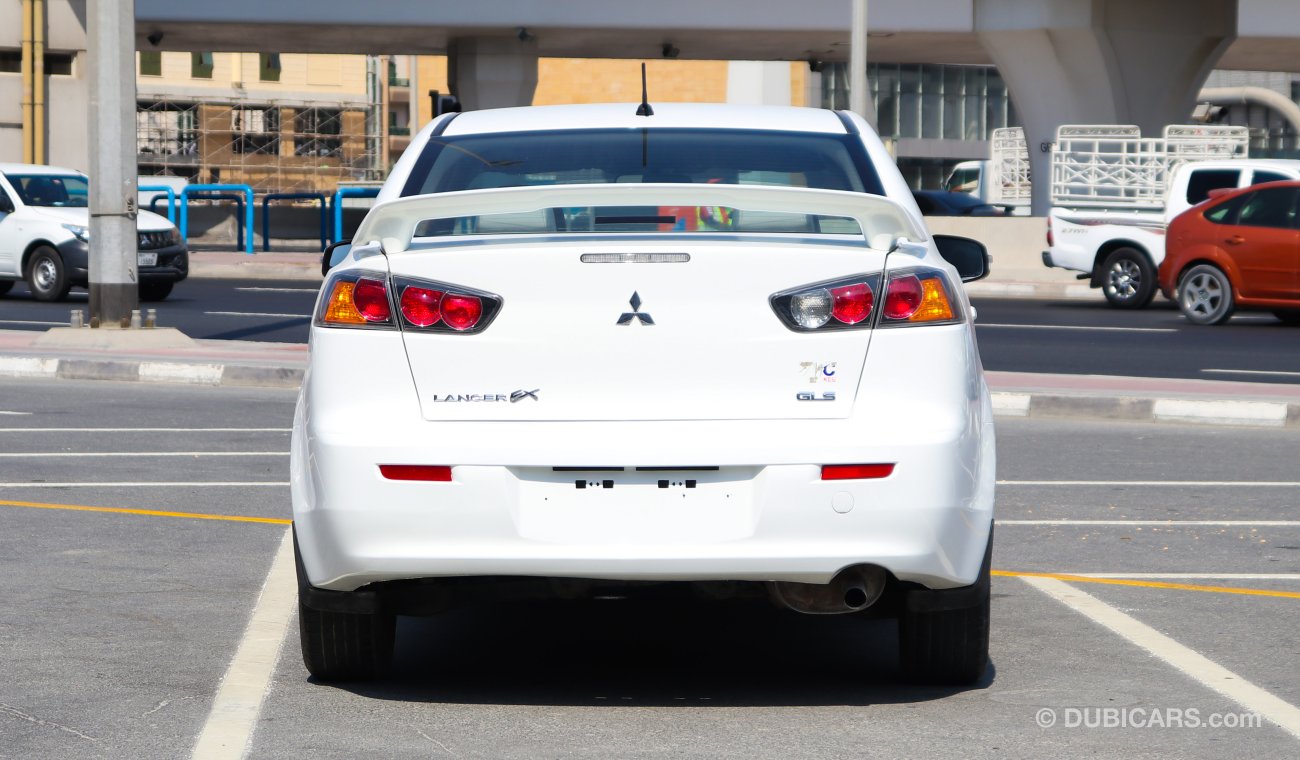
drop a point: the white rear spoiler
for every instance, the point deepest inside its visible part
(393, 223)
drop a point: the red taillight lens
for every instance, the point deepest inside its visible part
(903, 297)
(461, 312)
(1051, 241)
(420, 306)
(852, 303)
(856, 471)
(371, 299)
(426, 472)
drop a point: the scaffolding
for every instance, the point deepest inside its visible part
(275, 146)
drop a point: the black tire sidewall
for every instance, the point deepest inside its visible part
(1221, 314)
(1146, 287)
(61, 286)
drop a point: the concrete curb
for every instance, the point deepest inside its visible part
(1147, 409)
(188, 373)
(1030, 404)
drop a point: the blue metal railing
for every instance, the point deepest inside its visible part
(222, 192)
(266, 215)
(171, 199)
(347, 192)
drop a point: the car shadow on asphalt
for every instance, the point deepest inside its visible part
(637, 653)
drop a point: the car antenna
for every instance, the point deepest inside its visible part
(644, 109)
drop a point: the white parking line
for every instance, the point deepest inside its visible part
(156, 484)
(1185, 660)
(1162, 523)
(279, 290)
(150, 454)
(139, 429)
(1080, 327)
(255, 314)
(235, 708)
(1251, 372)
(16, 414)
(1161, 483)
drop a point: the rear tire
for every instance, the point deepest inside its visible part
(949, 646)
(1205, 295)
(1127, 279)
(47, 278)
(344, 646)
(1288, 316)
(155, 291)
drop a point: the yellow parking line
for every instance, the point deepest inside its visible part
(1152, 584)
(146, 512)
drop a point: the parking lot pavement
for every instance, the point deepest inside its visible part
(121, 626)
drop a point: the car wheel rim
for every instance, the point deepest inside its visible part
(45, 274)
(1203, 295)
(1124, 278)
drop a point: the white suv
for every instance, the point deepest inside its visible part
(45, 226)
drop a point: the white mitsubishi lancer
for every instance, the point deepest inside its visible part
(576, 347)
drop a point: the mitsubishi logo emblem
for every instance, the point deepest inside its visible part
(636, 313)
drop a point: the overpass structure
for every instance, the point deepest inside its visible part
(1065, 61)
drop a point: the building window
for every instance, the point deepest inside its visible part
(256, 130)
(165, 131)
(56, 64)
(317, 132)
(269, 65)
(150, 63)
(201, 65)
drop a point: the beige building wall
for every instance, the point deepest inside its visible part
(302, 76)
(68, 96)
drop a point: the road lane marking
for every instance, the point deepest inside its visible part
(79, 454)
(145, 512)
(139, 429)
(152, 484)
(255, 314)
(1160, 483)
(1080, 327)
(1250, 372)
(1198, 576)
(1163, 523)
(1188, 662)
(1082, 578)
(238, 701)
(278, 290)
(16, 414)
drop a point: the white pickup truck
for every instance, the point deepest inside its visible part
(1114, 193)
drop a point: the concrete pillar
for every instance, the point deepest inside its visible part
(1101, 62)
(493, 72)
(113, 245)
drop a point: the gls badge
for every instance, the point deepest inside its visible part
(810, 396)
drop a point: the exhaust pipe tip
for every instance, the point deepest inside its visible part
(852, 589)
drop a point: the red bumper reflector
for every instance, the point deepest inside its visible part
(856, 471)
(428, 472)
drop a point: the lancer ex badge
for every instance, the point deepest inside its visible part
(636, 313)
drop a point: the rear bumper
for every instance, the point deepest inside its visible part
(762, 514)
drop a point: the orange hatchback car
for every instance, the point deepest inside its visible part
(1238, 250)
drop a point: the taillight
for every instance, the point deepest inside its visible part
(1051, 241)
(435, 473)
(357, 299)
(440, 307)
(918, 296)
(856, 471)
(420, 306)
(836, 305)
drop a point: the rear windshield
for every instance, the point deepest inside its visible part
(599, 156)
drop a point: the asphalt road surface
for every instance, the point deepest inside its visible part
(1019, 335)
(122, 627)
